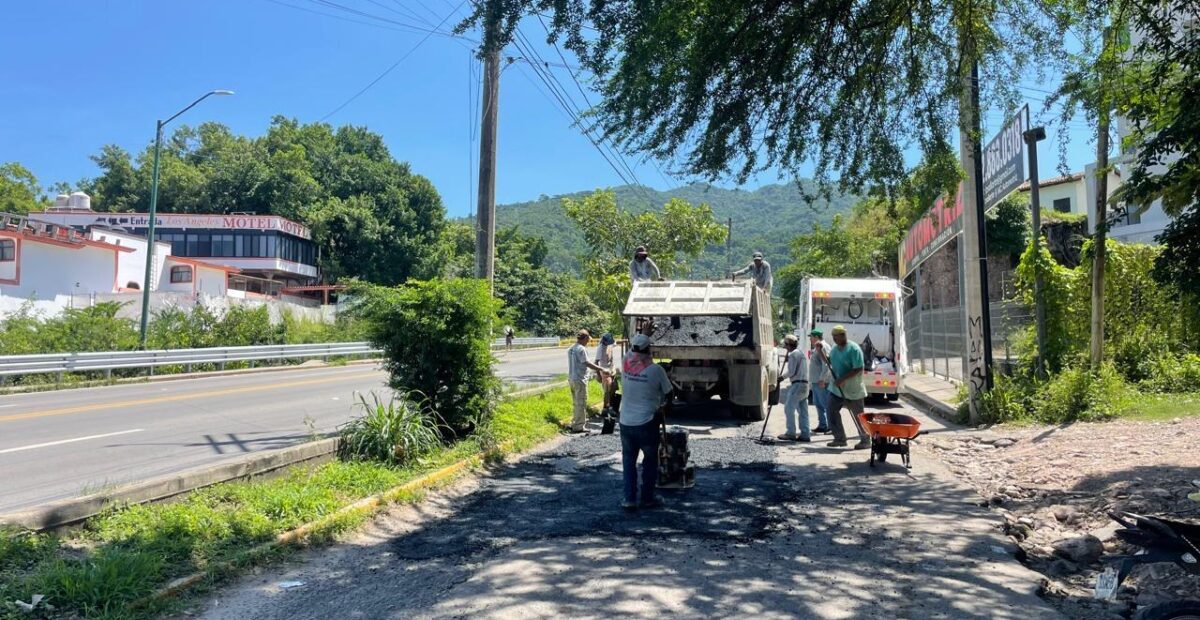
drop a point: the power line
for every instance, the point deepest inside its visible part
(573, 111)
(389, 69)
(386, 20)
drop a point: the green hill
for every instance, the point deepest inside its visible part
(765, 219)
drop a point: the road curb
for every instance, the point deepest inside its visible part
(931, 405)
(72, 511)
(366, 505)
(75, 510)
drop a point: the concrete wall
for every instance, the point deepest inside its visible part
(160, 300)
(48, 270)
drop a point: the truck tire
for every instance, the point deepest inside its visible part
(753, 413)
(893, 397)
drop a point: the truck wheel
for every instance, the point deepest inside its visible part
(893, 397)
(753, 413)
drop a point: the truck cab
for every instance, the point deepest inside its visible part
(870, 309)
(713, 339)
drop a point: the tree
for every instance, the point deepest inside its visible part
(19, 190)
(1176, 266)
(829, 252)
(372, 218)
(678, 233)
(733, 87)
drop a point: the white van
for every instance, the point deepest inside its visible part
(872, 313)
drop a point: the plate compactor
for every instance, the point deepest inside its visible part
(675, 469)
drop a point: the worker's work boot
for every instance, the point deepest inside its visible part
(862, 445)
(788, 437)
(653, 503)
(629, 506)
(837, 443)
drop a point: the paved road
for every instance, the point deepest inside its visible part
(61, 444)
(782, 531)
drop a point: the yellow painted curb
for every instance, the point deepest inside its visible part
(365, 505)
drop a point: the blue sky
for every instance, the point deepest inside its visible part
(79, 75)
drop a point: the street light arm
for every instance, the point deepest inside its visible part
(193, 104)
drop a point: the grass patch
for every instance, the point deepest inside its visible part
(123, 556)
(1163, 407)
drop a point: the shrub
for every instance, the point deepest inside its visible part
(394, 431)
(436, 340)
(1008, 400)
(1077, 394)
(1169, 373)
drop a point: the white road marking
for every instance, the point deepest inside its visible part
(3, 406)
(59, 443)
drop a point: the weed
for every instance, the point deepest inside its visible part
(393, 431)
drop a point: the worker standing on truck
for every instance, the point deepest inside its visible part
(642, 267)
(577, 376)
(848, 388)
(796, 397)
(645, 386)
(820, 377)
(760, 270)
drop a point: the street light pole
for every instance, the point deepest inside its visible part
(1032, 137)
(158, 131)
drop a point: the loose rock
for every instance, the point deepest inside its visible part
(1081, 550)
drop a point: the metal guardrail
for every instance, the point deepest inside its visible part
(108, 361)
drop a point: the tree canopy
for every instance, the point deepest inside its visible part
(734, 87)
(675, 235)
(371, 216)
(19, 190)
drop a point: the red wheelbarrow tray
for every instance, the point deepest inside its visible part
(897, 426)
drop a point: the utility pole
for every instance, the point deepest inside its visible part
(1032, 137)
(485, 220)
(978, 371)
(1099, 251)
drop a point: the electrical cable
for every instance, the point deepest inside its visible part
(388, 70)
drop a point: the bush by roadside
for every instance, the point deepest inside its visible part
(436, 340)
(120, 558)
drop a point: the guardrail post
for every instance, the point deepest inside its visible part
(108, 375)
(187, 368)
(58, 377)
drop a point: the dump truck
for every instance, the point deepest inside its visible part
(713, 339)
(871, 309)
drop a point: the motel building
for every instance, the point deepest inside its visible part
(71, 250)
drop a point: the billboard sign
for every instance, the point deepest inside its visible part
(932, 231)
(1004, 160)
(177, 221)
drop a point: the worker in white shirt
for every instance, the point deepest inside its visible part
(577, 376)
(795, 396)
(642, 267)
(760, 270)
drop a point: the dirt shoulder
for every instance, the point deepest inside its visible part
(1056, 485)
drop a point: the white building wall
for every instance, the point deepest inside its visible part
(48, 270)
(211, 282)
(131, 266)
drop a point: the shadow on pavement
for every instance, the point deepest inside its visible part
(545, 537)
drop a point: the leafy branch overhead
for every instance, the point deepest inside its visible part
(734, 87)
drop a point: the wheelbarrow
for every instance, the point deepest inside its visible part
(890, 433)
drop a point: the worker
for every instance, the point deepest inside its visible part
(760, 270)
(796, 397)
(820, 377)
(645, 388)
(849, 388)
(642, 267)
(604, 360)
(577, 376)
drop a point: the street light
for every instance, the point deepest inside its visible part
(158, 131)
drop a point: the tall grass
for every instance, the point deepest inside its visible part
(391, 430)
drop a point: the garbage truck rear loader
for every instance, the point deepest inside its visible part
(714, 339)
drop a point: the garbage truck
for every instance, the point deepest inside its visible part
(713, 338)
(872, 312)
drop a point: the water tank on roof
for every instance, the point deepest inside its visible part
(80, 200)
(62, 201)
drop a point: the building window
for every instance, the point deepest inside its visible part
(8, 250)
(181, 274)
(1062, 205)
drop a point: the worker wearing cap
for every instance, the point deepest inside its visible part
(848, 390)
(642, 267)
(645, 388)
(760, 270)
(820, 377)
(795, 398)
(577, 377)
